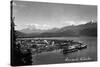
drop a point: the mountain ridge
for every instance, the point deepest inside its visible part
(88, 29)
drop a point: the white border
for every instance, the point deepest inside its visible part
(5, 33)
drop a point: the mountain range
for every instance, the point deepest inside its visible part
(88, 29)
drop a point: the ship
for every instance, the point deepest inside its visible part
(74, 48)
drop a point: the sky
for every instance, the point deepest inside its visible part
(41, 15)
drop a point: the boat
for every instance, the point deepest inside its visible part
(74, 48)
(82, 46)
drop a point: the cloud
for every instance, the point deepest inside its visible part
(19, 5)
(69, 23)
(38, 26)
(46, 26)
(14, 4)
(74, 22)
(82, 22)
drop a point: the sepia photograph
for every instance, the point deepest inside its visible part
(52, 33)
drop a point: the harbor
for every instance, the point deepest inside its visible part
(49, 51)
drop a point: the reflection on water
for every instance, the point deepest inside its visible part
(88, 54)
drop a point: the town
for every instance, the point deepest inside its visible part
(36, 46)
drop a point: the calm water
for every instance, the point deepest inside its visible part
(88, 54)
